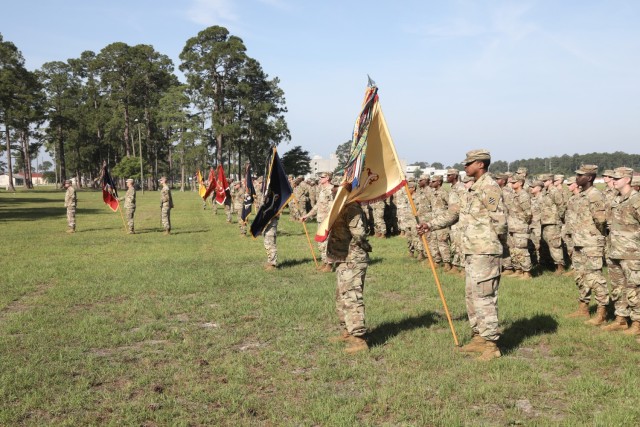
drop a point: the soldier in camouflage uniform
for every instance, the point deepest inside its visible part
(484, 218)
(551, 213)
(321, 211)
(300, 197)
(423, 207)
(349, 249)
(625, 246)
(535, 234)
(379, 226)
(238, 204)
(402, 207)
(570, 218)
(70, 202)
(409, 223)
(588, 245)
(439, 243)
(456, 193)
(269, 234)
(166, 204)
(312, 186)
(507, 197)
(130, 205)
(518, 222)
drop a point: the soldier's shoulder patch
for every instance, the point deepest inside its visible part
(492, 198)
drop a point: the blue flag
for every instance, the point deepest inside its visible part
(249, 194)
(277, 192)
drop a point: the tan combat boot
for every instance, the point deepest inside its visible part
(476, 345)
(559, 270)
(599, 318)
(582, 311)
(619, 324)
(489, 352)
(270, 267)
(507, 272)
(634, 329)
(355, 345)
(526, 275)
(446, 267)
(517, 274)
(344, 336)
(327, 268)
(420, 256)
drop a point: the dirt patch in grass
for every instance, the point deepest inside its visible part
(27, 301)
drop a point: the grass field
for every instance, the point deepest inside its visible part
(105, 328)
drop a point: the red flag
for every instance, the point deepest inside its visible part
(223, 196)
(109, 191)
(212, 184)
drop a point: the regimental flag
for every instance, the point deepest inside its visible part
(373, 171)
(223, 195)
(212, 184)
(249, 195)
(109, 191)
(277, 193)
(202, 189)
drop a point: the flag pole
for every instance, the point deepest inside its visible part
(304, 225)
(433, 267)
(122, 216)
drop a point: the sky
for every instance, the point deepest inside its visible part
(521, 78)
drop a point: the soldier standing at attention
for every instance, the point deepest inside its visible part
(536, 227)
(130, 204)
(507, 197)
(624, 253)
(551, 214)
(269, 234)
(166, 204)
(440, 243)
(455, 198)
(321, 210)
(588, 246)
(70, 202)
(518, 220)
(485, 222)
(349, 249)
(570, 219)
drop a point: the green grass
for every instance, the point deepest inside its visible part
(104, 328)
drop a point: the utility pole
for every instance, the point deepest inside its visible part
(138, 124)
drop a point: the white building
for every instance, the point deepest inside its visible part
(319, 165)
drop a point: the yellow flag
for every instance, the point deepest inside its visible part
(381, 174)
(202, 189)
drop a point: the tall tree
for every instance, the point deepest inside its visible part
(297, 161)
(212, 62)
(342, 153)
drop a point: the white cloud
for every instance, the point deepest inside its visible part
(212, 12)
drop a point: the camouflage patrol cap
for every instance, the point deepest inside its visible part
(67, 181)
(516, 177)
(571, 180)
(608, 173)
(436, 178)
(558, 177)
(501, 175)
(467, 178)
(425, 177)
(452, 171)
(522, 171)
(635, 181)
(474, 155)
(587, 170)
(537, 183)
(163, 178)
(622, 172)
(411, 183)
(129, 180)
(545, 177)
(326, 175)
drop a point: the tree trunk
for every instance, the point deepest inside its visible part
(63, 167)
(10, 187)
(127, 147)
(28, 176)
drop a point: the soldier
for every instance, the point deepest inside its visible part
(454, 202)
(570, 219)
(166, 204)
(551, 213)
(349, 249)
(238, 204)
(423, 208)
(269, 235)
(409, 223)
(535, 234)
(507, 196)
(379, 225)
(229, 205)
(321, 211)
(440, 241)
(625, 245)
(518, 222)
(70, 202)
(588, 246)
(484, 219)
(401, 201)
(312, 186)
(635, 182)
(130, 204)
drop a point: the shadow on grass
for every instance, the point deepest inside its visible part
(293, 262)
(383, 332)
(40, 213)
(518, 331)
(186, 232)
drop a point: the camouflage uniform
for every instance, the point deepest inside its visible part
(456, 194)
(130, 207)
(588, 245)
(321, 211)
(625, 245)
(166, 204)
(423, 207)
(70, 202)
(507, 198)
(238, 203)
(229, 205)
(379, 225)
(518, 220)
(535, 229)
(551, 211)
(312, 186)
(410, 225)
(570, 221)
(439, 239)
(348, 248)
(485, 221)
(269, 233)
(402, 207)
(616, 275)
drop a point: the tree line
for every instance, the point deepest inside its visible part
(124, 105)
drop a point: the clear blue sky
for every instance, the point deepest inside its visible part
(521, 78)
